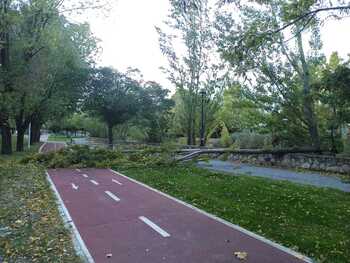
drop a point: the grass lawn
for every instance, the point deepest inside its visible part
(313, 221)
(18, 155)
(58, 138)
(31, 229)
(61, 138)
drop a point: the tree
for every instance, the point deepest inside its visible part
(190, 22)
(276, 72)
(154, 116)
(303, 12)
(28, 30)
(334, 93)
(112, 96)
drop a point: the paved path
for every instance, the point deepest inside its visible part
(51, 146)
(130, 222)
(307, 178)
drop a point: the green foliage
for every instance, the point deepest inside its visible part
(83, 156)
(225, 140)
(346, 143)
(250, 140)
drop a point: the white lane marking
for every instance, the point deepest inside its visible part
(78, 242)
(236, 227)
(75, 187)
(116, 181)
(85, 175)
(156, 228)
(78, 170)
(94, 182)
(114, 197)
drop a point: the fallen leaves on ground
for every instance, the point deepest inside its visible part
(34, 231)
(241, 255)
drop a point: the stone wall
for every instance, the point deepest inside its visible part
(326, 163)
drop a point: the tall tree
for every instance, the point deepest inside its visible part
(32, 29)
(112, 96)
(277, 71)
(190, 22)
(154, 116)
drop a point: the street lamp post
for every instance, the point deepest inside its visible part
(202, 143)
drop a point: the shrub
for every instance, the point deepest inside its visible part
(225, 139)
(346, 143)
(250, 140)
(83, 156)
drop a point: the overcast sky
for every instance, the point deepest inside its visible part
(128, 37)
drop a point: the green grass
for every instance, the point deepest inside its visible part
(311, 220)
(61, 138)
(19, 155)
(31, 229)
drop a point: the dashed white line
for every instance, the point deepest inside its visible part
(156, 228)
(75, 187)
(94, 182)
(85, 175)
(116, 181)
(78, 170)
(114, 197)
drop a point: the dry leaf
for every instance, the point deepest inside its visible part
(241, 255)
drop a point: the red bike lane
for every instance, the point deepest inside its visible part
(121, 220)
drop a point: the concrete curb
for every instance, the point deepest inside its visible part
(78, 242)
(236, 227)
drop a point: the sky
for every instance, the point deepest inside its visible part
(129, 39)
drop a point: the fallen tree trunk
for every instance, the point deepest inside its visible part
(280, 152)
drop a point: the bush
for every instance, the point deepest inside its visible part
(250, 140)
(83, 156)
(346, 143)
(225, 139)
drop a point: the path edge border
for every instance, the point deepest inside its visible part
(78, 242)
(223, 221)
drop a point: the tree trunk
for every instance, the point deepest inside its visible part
(308, 103)
(6, 139)
(20, 140)
(36, 127)
(35, 133)
(110, 136)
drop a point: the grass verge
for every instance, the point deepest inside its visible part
(31, 229)
(61, 138)
(313, 221)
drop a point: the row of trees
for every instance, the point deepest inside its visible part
(117, 98)
(261, 63)
(43, 64)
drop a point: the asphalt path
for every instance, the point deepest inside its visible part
(306, 178)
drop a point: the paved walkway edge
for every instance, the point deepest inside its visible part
(78, 242)
(238, 228)
(41, 147)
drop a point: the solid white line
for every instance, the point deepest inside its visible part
(94, 182)
(85, 175)
(156, 228)
(78, 170)
(114, 197)
(241, 229)
(78, 242)
(75, 187)
(117, 182)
